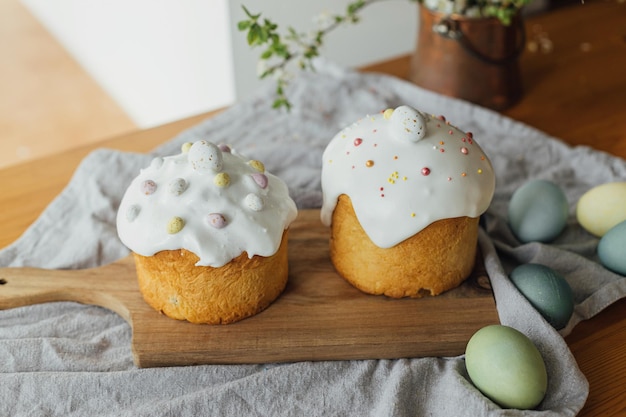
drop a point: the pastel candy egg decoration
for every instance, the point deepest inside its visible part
(538, 211)
(612, 249)
(222, 180)
(547, 291)
(216, 220)
(407, 124)
(132, 212)
(506, 367)
(148, 187)
(205, 157)
(602, 208)
(258, 165)
(177, 186)
(254, 202)
(175, 225)
(260, 179)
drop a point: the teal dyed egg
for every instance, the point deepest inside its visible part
(547, 291)
(612, 249)
(506, 367)
(538, 211)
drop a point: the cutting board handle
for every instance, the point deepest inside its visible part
(106, 286)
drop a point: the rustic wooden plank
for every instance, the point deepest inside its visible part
(318, 317)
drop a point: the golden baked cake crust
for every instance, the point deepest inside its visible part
(437, 259)
(172, 284)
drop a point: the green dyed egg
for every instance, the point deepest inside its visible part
(547, 291)
(538, 211)
(612, 249)
(506, 367)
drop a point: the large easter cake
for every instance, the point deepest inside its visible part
(208, 231)
(403, 192)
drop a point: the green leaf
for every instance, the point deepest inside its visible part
(253, 35)
(250, 15)
(244, 25)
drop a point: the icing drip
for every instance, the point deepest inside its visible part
(209, 200)
(407, 171)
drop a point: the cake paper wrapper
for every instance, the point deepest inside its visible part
(69, 359)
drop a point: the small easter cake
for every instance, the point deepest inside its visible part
(403, 192)
(208, 231)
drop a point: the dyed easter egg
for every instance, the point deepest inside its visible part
(506, 367)
(602, 207)
(538, 211)
(547, 291)
(612, 249)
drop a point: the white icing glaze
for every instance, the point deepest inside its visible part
(399, 185)
(219, 220)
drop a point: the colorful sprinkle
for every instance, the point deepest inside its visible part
(464, 150)
(450, 132)
(216, 220)
(369, 163)
(177, 186)
(222, 180)
(480, 171)
(425, 171)
(463, 174)
(260, 179)
(132, 212)
(441, 117)
(175, 225)
(358, 141)
(254, 202)
(148, 187)
(258, 165)
(412, 214)
(392, 178)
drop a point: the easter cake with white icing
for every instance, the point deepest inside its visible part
(208, 231)
(403, 192)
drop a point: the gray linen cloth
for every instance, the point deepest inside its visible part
(75, 360)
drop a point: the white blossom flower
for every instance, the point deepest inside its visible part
(261, 67)
(323, 20)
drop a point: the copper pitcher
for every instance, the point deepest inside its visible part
(476, 59)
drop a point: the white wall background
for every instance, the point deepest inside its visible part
(163, 60)
(387, 29)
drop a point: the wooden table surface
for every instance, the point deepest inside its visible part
(575, 89)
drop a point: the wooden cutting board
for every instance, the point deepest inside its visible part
(318, 317)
